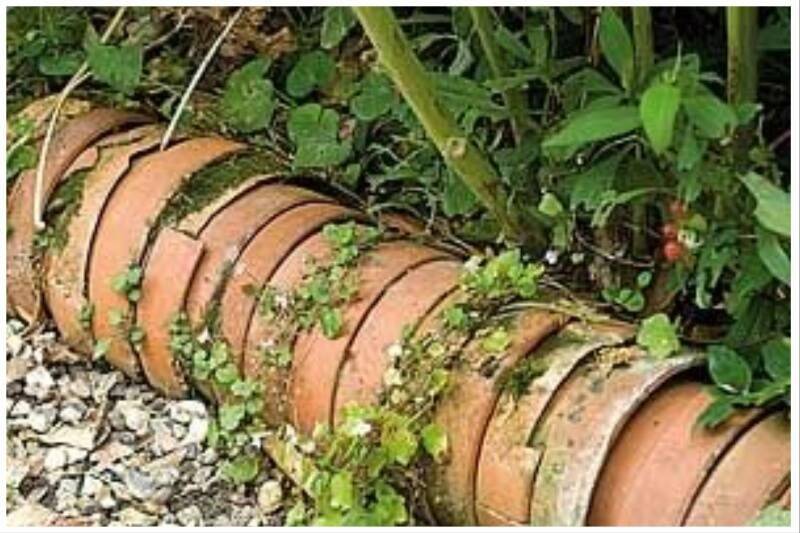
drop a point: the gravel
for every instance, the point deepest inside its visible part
(87, 446)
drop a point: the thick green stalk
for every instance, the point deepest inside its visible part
(643, 41)
(414, 83)
(742, 28)
(513, 98)
(643, 61)
(742, 54)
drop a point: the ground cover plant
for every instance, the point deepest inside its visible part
(637, 158)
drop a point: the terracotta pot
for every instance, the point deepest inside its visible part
(124, 231)
(662, 442)
(229, 232)
(752, 474)
(170, 268)
(262, 256)
(317, 359)
(405, 303)
(194, 223)
(464, 412)
(67, 269)
(261, 331)
(508, 461)
(581, 425)
(67, 144)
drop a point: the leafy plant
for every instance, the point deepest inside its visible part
(248, 102)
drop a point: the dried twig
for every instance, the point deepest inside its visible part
(79, 77)
(173, 123)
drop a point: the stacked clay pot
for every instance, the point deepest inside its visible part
(604, 436)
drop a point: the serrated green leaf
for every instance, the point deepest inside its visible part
(729, 370)
(657, 334)
(313, 123)
(313, 70)
(248, 102)
(375, 98)
(772, 208)
(617, 47)
(118, 66)
(658, 109)
(595, 125)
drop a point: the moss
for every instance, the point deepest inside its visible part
(211, 182)
(63, 205)
(517, 379)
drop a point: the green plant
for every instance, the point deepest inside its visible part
(238, 422)
(318, 300)
(128, 283)
(360, 469)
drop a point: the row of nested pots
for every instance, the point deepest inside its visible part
(589, 443)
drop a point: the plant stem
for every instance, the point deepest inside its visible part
(514, 98)
(643, 61)
(643, 41)
(742, 54)
(414, 83)
(742, 26)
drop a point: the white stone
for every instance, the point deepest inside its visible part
(38, 383)
(270, 496)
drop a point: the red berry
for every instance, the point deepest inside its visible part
(673, 250)
(669, 231)
(677, 209)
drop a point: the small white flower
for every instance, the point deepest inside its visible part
(392, 377)
(282, 300)
(204, 336)
(359, 429)
(395, 350)
(473, 263)
(551, 257)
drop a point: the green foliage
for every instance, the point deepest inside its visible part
(772, 207)
(318, 300)
(657, 334)
(631, 299)
(658, 109)
(595, 125)
(757, 379)
(129, 283)
(615, 41)
(120, 67)
(315, 132)
(773, 516)
(374, 99)
(312, 71)
(207, 359)
(248, 102)
(337, 21)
